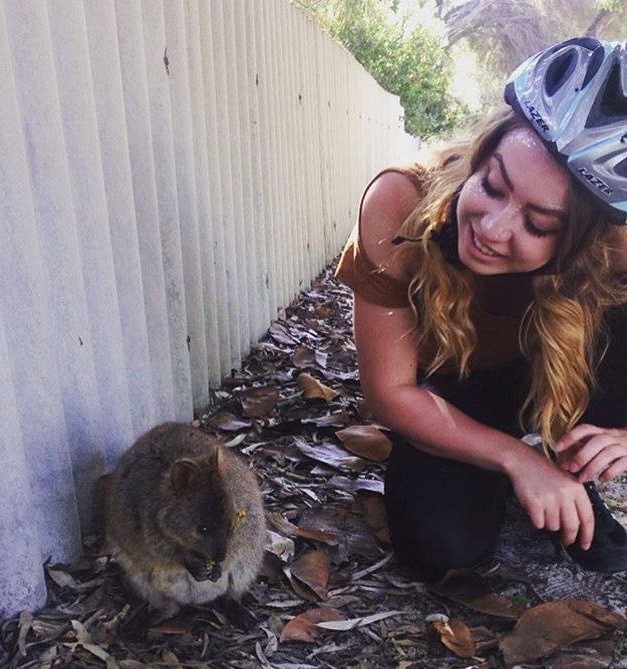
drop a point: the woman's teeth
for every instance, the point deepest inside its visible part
(482, 248)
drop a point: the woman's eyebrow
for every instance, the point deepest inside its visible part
(504, 174)
(558, 213)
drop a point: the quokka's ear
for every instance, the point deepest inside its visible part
(184, 474)
(218, 461)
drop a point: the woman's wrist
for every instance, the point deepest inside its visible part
(515, 457)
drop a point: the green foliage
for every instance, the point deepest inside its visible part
(611, 5)
(411, 64)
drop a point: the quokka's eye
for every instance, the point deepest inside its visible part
(202, 529)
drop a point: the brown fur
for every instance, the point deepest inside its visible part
(184, 518)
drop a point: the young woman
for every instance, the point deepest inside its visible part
(487, 305)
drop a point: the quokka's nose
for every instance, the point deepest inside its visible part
(215, 572)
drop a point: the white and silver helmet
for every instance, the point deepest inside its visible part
(575, 96)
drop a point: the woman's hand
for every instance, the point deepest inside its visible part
(592, 452)
(554, 500)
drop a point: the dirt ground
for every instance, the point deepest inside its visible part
(331, 593)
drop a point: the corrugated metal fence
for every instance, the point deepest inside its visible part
(171, 173)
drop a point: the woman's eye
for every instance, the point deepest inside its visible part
(534, 229)
(489, 188)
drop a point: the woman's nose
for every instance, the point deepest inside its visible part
(498, 224)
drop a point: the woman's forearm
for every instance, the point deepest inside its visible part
(437, 427)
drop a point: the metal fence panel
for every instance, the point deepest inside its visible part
(172, 173)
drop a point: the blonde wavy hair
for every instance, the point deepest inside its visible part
(561, 331)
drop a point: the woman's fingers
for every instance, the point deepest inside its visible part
(552, 518)
(617, 468)
(602, 455)
(570, 524)
(586, 520)
(600, 463)
(578, 433)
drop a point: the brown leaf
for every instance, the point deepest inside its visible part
(353, 485)
(62, 578)
(547, 628)
(285, 527)
(303, 591)
(497, 605)
(170, 628)
(474, 590)
(171, 659)
(373, 508)
(223, 420)
(26, 620)
(312, 569)
(330, 454)
(456, 636)
(592, 655)
(312, 388)
(323, 311)
(303, 627)
(367, 441)
(303, 357)
(279, 333)
(259, 402)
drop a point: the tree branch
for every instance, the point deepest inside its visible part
(601, 21)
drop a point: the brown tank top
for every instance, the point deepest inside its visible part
(497, 334)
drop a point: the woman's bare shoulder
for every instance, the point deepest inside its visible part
(387, 203)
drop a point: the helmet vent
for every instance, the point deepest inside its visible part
(593, 66)
(613, 105)
(621, 168)
(559, 72)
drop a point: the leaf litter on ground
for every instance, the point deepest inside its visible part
(295, 411)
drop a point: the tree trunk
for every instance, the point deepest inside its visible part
(601, 21)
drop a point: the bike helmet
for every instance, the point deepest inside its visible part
(574, 94)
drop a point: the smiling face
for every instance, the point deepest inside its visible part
(513, 209)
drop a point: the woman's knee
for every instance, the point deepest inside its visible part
(431, 545)
(442, 514)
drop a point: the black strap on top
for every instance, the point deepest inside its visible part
(445, 237)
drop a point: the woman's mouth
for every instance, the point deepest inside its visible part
(486, 250)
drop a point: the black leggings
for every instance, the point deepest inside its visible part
(444, 514)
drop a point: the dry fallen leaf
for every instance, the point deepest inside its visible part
(592, 655)
(367, 441)
(312, 570)
(26, 620)
(278, 545)
(330, 454)
(353, 485)
(171, 659)
(280, 334)
(323, 311)
(346, 625)
(259, 402)
(496, 605)
(373, 507)
(312, 388)
(303, 357)
(547, 628)
(456, 636)
(223, 420)
(304, 628)
(288, 529)
(473, 590)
